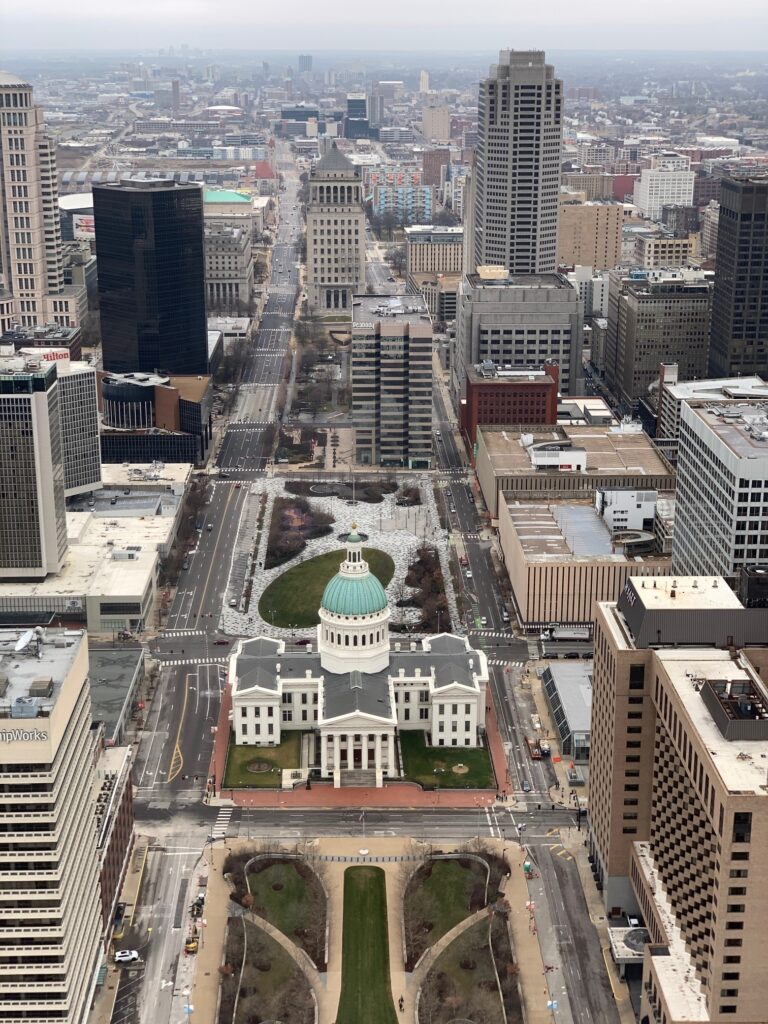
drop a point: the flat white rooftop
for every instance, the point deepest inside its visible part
(690, 592)
(136, 474)
(742, 426)
(42, 655)
(741, 764)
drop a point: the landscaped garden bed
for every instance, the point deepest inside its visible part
(294, 522)
(425, 576)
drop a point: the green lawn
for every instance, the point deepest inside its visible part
(286, 755)
(439, 895)
(294, 597)
(420, 762)
(366, 994)
(291, 898)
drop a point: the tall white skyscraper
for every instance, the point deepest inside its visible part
(32, 289)
(517, 164)
(721, 514)
(33, 523)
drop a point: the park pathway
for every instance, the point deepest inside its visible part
(389, 854)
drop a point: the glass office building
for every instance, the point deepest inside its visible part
(151, 266)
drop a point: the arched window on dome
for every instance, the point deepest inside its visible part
(362, 639)
(354, 640)
(371, 637)
(346, 640)
(338, 639)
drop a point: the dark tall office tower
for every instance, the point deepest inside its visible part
(517, 165)
(151, 264)
(739, 342)
(305, 63)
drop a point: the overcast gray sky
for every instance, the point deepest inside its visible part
(420, 25)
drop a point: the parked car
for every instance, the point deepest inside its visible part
(468, 574)
(526, 786)
(190, 946)
(483, 620)
(126, 956)
(220, 642)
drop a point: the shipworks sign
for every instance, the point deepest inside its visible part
(22, 735)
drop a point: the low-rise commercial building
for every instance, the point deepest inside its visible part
(498, 395)
(567, 462)
(431, 249)
(114, 827)
(108, 580)
(568, 689)
(440, 293)
(562, 557)
(153, 417)
(655, 251)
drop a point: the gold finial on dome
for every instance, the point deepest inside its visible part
(354, 527)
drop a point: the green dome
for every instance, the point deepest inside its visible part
(345, 595)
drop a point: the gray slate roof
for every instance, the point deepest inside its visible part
(355, 691)
(347, 692)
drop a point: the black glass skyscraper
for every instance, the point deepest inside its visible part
(739, 338)
(151, 267)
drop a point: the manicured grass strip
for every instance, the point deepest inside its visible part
(294, 597)
(285, 755)
(366, 994)
(420, 762)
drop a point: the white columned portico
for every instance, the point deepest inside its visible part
(390, 754)
(364, 751)
(323, 755)
(377, 742)
(336, 751)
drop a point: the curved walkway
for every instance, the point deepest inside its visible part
(418, 975)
